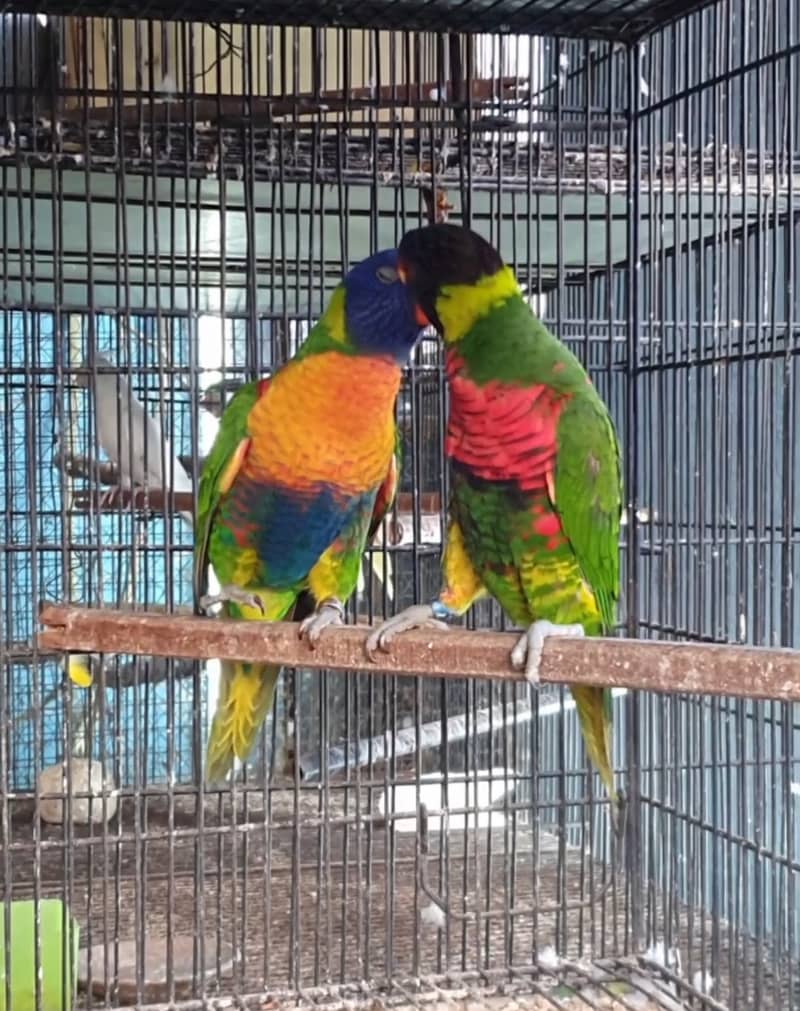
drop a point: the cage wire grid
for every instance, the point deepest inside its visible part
(182, 198)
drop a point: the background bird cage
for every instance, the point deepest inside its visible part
(181, 197)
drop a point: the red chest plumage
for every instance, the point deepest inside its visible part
(500, 431)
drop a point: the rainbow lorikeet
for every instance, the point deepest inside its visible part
(536, 469)
(302, 471)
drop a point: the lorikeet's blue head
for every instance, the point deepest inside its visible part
(381, 318)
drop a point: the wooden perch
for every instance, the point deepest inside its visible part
(105, 472)
(633, 663)
(121, 500)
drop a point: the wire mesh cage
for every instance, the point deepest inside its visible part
(179, 200)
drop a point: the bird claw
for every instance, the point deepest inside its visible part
(527, 653)
(232, 595)
(329, 612)
(416, 616)
(110, 498)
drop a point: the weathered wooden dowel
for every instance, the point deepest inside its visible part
(632, 663)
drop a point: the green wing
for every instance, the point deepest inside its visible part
(231, 434)
(588, 492)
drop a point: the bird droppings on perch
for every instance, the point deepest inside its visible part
(698, 668)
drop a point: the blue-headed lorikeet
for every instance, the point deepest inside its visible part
(536, 471)
(303, 468)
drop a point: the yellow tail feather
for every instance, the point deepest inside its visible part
(245, 697)
(595, 716)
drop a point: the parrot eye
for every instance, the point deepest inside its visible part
(387, 275)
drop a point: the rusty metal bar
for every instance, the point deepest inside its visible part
(633, 663)
(263, 110)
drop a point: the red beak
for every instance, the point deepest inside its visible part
(419, 315)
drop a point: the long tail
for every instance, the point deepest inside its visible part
(594, 707)
(245, 697)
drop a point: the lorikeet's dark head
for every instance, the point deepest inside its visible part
(379, 312)
(448, 267)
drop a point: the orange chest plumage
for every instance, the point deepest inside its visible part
(326, 419)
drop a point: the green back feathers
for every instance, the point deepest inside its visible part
(494, 330)
(588, 482)
(230, 434)
(509, 344)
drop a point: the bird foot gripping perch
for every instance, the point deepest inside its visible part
(416, 616)
(328, 612)
(527, 653)
(112, 497)
(232, 595)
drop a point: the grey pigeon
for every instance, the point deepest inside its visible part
(131, 437)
